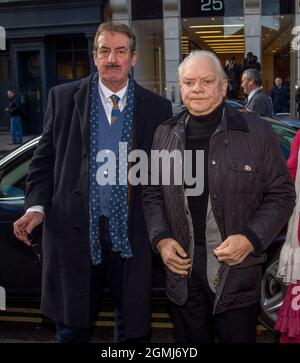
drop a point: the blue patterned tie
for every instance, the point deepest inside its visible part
(115, 112)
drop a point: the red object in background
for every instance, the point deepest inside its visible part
(288, 321)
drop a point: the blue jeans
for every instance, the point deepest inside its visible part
(16, 130)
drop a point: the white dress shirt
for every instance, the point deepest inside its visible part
(105, 94)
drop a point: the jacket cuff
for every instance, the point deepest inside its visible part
(158, 238)
(252, 237)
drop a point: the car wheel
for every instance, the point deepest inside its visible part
(272, 293)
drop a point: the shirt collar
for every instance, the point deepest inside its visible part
(251, 94)
(106, 93)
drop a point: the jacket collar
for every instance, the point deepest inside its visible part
(233, 120)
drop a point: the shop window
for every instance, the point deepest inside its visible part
(221, 35)
(72, 60)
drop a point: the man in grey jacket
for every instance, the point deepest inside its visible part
(212, 241)
(257, 101)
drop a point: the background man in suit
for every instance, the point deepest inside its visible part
(280, 96)
(257, 101)
(90, 228)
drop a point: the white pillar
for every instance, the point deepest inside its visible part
(121, 11)
(172, 35)
(252, 21)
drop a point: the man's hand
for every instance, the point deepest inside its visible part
(234, 249)
(24, 225)
(174, 256)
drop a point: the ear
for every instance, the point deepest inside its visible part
(133, 58)
(95, 55)
(224, 87)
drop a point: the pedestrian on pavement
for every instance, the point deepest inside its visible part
(91, 226)
(212, 242)
(279, 95)
(257, 101)
(288, 320)
(233, 72)
(15, 111)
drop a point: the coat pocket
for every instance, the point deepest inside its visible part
(244, 173)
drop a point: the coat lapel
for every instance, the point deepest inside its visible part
(82, 106)
(140, 113)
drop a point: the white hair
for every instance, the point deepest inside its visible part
(200, 54)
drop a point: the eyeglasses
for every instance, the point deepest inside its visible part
(205, 83)
(36, 249)
(119, 53)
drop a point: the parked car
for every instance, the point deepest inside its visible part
(284, 118)
(20, 265)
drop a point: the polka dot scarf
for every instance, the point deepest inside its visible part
(118, 220)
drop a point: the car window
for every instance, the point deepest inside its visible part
(285, 137)
(12, 183)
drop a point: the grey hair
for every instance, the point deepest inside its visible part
(253, 75)
(200, 54)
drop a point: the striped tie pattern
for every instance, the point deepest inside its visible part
(115, 112)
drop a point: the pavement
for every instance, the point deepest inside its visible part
(5, 143)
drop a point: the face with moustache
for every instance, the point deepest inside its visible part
(201, 88)
(114, 59)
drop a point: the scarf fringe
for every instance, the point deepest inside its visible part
(289, 264)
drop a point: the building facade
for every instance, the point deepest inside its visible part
(50, 42)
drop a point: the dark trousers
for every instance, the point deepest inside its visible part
(194, 321)
(110, 270)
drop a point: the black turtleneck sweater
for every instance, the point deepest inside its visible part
(198, 132)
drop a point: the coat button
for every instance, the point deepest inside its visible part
(215, 196)
(213, 162)
(83, 154)
(76, 228)
(77, 192)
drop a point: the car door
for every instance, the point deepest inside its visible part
(20, 265)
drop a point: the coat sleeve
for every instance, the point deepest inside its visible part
(278, 196)
(39, 182)
(153, 205)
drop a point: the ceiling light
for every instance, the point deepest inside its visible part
(221, 36)
(223, 40)
(209, 32)
(218, 26)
